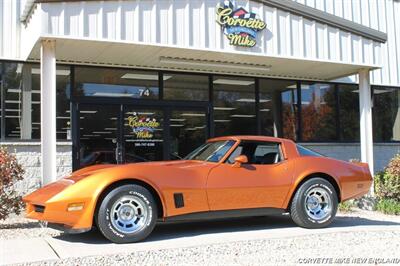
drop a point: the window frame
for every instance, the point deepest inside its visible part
(279, 145)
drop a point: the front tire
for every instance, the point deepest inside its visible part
(127, 214)
(315, 204)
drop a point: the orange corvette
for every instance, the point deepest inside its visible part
(226, 177)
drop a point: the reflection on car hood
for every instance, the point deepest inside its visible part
(91, 170)
(177, 163)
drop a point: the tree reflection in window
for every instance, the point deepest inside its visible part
(318, 103)
(289, 114)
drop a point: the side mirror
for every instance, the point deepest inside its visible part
(241, 159)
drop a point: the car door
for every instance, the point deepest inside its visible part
(262, 182)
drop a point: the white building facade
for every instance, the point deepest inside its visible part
(86, 82)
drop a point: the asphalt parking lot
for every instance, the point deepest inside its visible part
(194, 235)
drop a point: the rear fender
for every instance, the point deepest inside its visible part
(303, 171)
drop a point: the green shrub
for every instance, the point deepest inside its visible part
(387, 188)
(10, 173)
(387, 183)
(388, 206)
(346, 206)
(393, 167)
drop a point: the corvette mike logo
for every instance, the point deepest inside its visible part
(143, 127)
(240, 26)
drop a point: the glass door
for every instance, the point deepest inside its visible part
(188, 130)
(124, 133)
(98, 134)
(143, 138)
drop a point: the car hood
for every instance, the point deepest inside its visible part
(141, 169)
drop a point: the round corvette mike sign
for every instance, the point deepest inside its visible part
(240, 26)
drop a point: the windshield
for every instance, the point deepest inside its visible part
(211, 151)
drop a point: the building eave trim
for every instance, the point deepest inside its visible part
(287, 5)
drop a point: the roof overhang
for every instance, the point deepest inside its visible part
(147, 56)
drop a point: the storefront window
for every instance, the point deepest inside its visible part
(318, 116)
(12, 92)
(234, 106)
(63, 86)
(349, 112)
(109, 82)
(386, 114)
(271, 107)
(185, 87)
(188, 131)
(1, 103)
(289, 113)
(36, 91)
(98, 134)
(21, 91)
(329, 112)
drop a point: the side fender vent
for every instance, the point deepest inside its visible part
(39, 208)
(179, 202)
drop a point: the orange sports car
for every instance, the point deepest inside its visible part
(226, 177)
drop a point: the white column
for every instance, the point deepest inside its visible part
(48, 110)
(366, 139)
(26, 114)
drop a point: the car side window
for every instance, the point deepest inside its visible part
(307, 152)
(235, 153)
(257, 152)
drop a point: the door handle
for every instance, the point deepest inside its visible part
(118, 154)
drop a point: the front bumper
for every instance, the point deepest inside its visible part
(51, 202)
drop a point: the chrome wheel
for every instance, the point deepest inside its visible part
(129, 214)
(318, 204)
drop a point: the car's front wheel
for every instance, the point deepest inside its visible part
(315, 204)
(127, 214)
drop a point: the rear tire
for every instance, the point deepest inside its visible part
(315, 204)
(127, 214)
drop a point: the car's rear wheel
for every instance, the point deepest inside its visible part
(315, 204)
(127, 214)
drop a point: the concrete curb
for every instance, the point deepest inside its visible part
(26, 250)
